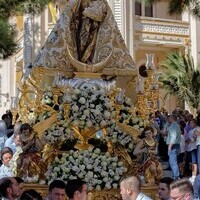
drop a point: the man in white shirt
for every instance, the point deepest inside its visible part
(173, 141)
(130, 189)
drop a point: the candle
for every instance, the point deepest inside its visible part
(140, 85)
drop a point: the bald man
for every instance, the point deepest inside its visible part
(130, 189)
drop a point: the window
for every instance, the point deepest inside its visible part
(138, 8)
(149, 10)
(143, 10)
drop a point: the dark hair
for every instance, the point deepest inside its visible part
(5, 116)
(57, 184)
(73, 186)
(4, 184)
(167, 181)
(25, 126)
(30, 195)
(6, 150)
(174, 117)
(147, 128)
(18, 179)
(193, 120)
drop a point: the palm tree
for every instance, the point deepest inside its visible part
(182, 78)
(179, 6)
(8, 45)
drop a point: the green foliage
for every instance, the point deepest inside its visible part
(10, 7)
(8, 46)
(179, 6)
(7, 43)
(182, 78)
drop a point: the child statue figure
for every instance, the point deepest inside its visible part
(29, 163)
(148, 165)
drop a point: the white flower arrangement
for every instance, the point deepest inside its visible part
(90, 108)
(117, 136)
(138, 123)
(98, 170)
(58, 133)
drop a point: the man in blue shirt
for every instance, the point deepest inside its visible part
(173, 141)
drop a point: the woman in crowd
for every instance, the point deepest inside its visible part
(6, 156)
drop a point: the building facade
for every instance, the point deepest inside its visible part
(147, 29)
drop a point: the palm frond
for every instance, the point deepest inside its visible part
(7, 42)
(181, 78)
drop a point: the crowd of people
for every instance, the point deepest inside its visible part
(11, 188)
(179, 139)
(178, 136)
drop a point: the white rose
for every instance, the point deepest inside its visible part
(103, 123)
(108, 186)
(56, 169)
(74, 97)
(135, 120)
(75, 122)
(111, 173)
(92, 105)
(116, 178)
(75, 108)
(100, 182)
(97, 112)
(67, 98)
(98, 187)
(93, 97)
(89, 166)
(104, 173)
(83, 117)
(90, 187)
(77, 91)
(115, 186)
(80, 175)
(105, 179)
(82, 100)
(97, 151)
(130, 146)
(107, 114)
(86, 112)
(141, 129)
(136, 127)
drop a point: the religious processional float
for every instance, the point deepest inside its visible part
(70, 97)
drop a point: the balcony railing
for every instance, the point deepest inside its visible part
(161, 31)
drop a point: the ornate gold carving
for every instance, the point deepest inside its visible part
(83, 67)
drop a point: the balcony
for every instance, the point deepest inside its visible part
(155, 31)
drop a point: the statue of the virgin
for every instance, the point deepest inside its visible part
(86, 38)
